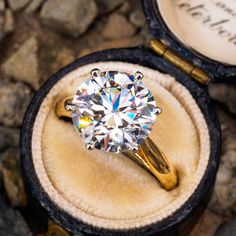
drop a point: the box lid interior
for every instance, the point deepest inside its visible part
(202, 32)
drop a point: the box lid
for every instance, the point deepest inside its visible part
(202, 32)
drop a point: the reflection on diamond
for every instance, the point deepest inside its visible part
(115, 112)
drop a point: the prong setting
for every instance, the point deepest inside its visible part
(95, 73)
(138, 75)
(157, 110)
(134, 149)
(70, 107)
(90, 146)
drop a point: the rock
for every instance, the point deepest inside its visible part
(137, 18)
(8, 22)
(118, 43)
(105, 6)
(1, 26)
(17, 5)
(118, 27)
(69, 17)
(23, 64)
(8, 138)
(14, 100)
(11, 172)
(207, 225)
(64, 57)
(11, 222)
(227, 229)
(34, 5)
(56, 230)
(224, 93)
(2, 6)
(125, 8)
(223, 201)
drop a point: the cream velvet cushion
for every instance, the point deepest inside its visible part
(109, 190)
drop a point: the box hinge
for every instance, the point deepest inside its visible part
(192, 70)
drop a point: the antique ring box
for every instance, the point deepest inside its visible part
(94, 193)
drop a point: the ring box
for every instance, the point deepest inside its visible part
(96, 193)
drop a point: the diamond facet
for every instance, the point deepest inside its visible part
(115, 111)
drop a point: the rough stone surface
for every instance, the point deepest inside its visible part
(56, 230)
(17, 5)
(14, 100)
(225, 94)
(11, 221)
(207, 225)
(23, 64)
(118, 27)
(137, 18)
(11, 172)
(227, 229)
(69, 17)
(2, 6)
(8, 137)
(223, 201)
(64, 57)
(105, 6)
(34, 5)
(8, 22)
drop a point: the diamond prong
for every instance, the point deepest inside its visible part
(89, 146)
(71, 107)
(134, 149)
(157, 110)
(95, 72)
(138, 75)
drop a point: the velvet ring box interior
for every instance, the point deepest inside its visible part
(97, 193)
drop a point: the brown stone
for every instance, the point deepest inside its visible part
(56, 230)
(23, 64)
(69, 17)
(13, 184)
(17, 5)
(105, 6)
(224, 93)
(118, 27)
(9, 23)
(34, 5)
(207, 225)
(14, 101)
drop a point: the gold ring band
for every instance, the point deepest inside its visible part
(148, 155)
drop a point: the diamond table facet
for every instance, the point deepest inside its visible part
(114, 111)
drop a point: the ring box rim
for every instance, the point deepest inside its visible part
(143, 57)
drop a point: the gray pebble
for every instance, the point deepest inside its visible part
(106, 6)
(17, 5)
(2, 6)
(11, 221)
(14, 100)
(118, 27)
(227, 229)
(224, 93)
(69, 17)
(22, 65)
(137, 18)
(8, 137)
(34, 5)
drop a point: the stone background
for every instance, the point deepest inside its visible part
(37, 38)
